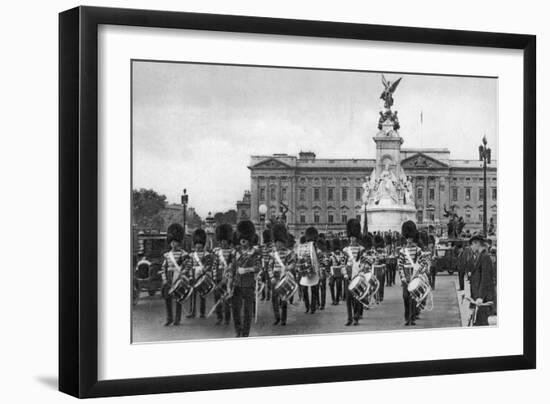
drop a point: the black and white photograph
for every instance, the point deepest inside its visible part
(272, 201)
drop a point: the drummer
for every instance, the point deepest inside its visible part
(380, 259)
(172, 269)
(282, 261)
(353, 253)
(223, 257)
(336, 269)
(199, 264)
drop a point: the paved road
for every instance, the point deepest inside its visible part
(148, 317)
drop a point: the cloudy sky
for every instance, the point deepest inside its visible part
(195, 126)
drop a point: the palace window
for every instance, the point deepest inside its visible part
(358, 193)
(468, 193)
(442, 187)
(273, 194)
(344, 218)
(419, 193)
(431, 194)
(454, 194)
(283, 194)
(316, 217)
(358, 217)
(481, 193)
(302, 218)
(262, 194)
(344, 194)
(302, 194)
(330, 194)
(316, 194)
(494, 194)
(419, 216)
(481, 217)
(331, 218)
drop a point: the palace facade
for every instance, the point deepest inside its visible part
(326, 193)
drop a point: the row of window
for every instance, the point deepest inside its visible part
(468, 194)
(468, 216)
(331, 218)
(344, 194)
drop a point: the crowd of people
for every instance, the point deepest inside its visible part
(246, 267)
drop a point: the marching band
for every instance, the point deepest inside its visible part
(239, 273)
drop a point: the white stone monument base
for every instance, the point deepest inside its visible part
(387, 218)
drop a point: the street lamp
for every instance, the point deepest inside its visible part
(485, 156)
(184, 201)
(262, 210)
(210, 227)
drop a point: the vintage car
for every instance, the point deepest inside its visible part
(148, 259)
(446, 254)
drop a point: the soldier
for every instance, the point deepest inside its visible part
(380, 259)
(337, 262)
(410, 257)
(266, 249)
(433, 268)
(353, 253)
(324, 259)
(282, 261)
(223, 257)
(172, 269)
(199, 264)
(247, 265)
(481, 280)
(308, 266)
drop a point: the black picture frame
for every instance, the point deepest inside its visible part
(78, 196)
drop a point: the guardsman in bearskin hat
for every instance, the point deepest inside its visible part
(336, 268)
(222, 259)
(482, 279)
(172, 270)
(353, 256)
(198, 265)
(282, 261)
(410, 261)
(247, 265)
(308, 267)
(324, 262)
(433, 268)
(266, 249)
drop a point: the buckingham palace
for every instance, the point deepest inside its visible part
(326, 193)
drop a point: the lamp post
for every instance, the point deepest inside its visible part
(210, 228)
(184, 201)
(485, 156)
(262, 210)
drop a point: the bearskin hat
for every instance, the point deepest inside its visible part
(290, 241)
(224, 232)
(199, 237)
(368, 241)
(279, 232)
(311, 234)
(408, 229)
(174, 232)
(266, 236)
(354, 228)
(379, 241)
(335, 244)
(255, 239)
(302, 239)
(246, 230)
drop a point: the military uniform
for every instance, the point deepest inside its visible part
(308, 268)
(336, 269)
(353, 254)
(172, 269)
(199, 264)
(247, 265)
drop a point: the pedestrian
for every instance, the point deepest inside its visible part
(481, 280)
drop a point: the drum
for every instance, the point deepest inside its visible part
(286, 287)
(181, 290)
(204, 285)
(363, 287)
(419, 288)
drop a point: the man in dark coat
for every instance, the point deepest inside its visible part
(481, 280)
(465, 260)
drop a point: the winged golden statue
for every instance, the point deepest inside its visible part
(389, 89)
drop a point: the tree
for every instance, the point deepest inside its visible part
(147, 205)
(229, 217)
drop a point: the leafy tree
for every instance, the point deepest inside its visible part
(147, 205)
(229, 217)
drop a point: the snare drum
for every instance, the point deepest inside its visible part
(204, 285)
(181, 290)
(419, 288)
(286, 287)
(363, 287)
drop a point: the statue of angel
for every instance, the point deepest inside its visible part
(389, 89)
